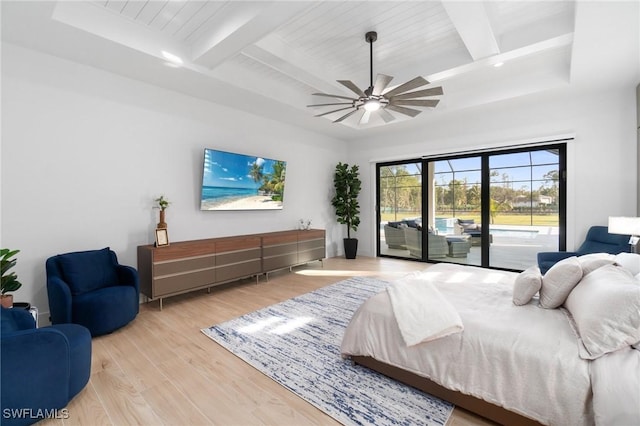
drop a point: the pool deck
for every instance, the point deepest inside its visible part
(508, 249)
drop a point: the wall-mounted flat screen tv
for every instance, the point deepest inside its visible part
(233, 181)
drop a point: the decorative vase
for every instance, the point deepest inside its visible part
(162, 224)
(7, 300)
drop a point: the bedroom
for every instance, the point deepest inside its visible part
(86, 148)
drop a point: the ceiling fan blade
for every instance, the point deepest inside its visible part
(349, 114)
(339, 103)
(409, 85)
(434, 91)
(365, 117)
(385, 115)
(334, 96)
(402, 110)
(382, 81)
(415, 102)
(351, 86)
(335, 110)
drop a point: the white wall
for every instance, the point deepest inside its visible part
(638, 163)
(602, 166)
(85, 152)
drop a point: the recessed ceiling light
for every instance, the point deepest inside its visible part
(498, 64)
(172, 58)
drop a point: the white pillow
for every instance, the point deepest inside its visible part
(558, 282)
(526, 285)
(629, 261)
(593, 261)
(606, 309)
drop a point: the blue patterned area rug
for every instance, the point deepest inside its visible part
(297, 344)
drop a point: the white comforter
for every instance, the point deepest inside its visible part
(523, 358)
(418, 321)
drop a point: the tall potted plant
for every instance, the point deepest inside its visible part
(8, 281)
(347, 185)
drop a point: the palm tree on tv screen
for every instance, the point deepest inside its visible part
(273, 183)
(256, 172)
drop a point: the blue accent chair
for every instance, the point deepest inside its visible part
(598, 240)
(90, 288)
(42, 368)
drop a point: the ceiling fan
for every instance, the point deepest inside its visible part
(374, 99)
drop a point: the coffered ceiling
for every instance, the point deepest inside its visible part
(268, 57)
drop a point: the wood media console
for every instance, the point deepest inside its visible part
(193, 265)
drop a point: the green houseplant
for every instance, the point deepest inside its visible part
(162, 204)
(345, 201)
(8, 281)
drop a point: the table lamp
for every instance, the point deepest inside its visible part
(626, 226)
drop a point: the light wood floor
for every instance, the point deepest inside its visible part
(161, 370)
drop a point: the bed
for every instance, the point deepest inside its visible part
(511, 364)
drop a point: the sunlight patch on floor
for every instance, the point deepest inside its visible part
(275, 325)
(291, 325)
(344, 273)
(260, 325)
(335, 273)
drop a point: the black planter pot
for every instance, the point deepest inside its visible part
(350, 248)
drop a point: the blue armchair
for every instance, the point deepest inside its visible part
(90, 288)
(598, 240)
(42, 368)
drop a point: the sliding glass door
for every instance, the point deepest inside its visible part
(400, 210)
(457, 209)
(524, 206)
(492, 209)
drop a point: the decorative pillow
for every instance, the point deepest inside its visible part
(558, 282)
(606, 309)
(526, 285)
(591, 262)
(629, 261)
(86, 271)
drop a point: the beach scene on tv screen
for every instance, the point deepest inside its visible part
(241, 182)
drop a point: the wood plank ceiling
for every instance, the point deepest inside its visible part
(286, 50)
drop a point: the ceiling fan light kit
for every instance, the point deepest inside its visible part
(375, 100)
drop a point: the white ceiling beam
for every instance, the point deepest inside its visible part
(239, 25)
(102, 22)
(473, 25)
(288, 68)
(531, 50)
(275, 53)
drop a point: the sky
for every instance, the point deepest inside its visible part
(226, 169)
(518, 166)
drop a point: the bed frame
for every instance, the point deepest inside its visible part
(470, 403)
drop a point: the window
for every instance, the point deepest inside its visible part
(494, 209)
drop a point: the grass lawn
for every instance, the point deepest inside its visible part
(501, 219)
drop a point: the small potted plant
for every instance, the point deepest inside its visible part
(162, 204)
(347, 185)
(8, 281)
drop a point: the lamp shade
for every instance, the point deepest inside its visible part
(624, 225)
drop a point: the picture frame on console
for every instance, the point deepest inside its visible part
(162, 237)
